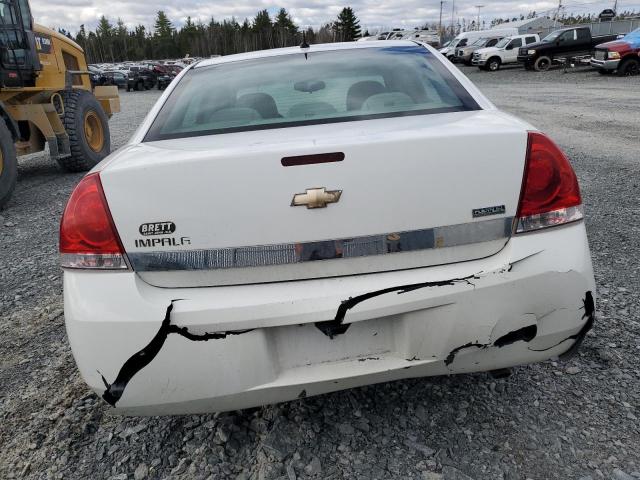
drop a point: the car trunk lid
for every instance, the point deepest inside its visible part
(415, 191)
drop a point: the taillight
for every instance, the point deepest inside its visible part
(88, 237)
(550, 193)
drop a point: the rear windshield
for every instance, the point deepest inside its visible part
(309, 88)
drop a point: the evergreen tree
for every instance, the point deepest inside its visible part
(163, 26)
(121, 40)
(81, 37)
(188, 37)
(139, 40)
(347, 26)
(163, 36)
(105, 29)
(263, 28)
(62, 31)
(245, 28)
(286, 31)
(108, 43)
(82, 34)
(104, 32)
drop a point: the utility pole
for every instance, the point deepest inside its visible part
(440, 22)
(555, 18)
(453, 12)
(479, 7)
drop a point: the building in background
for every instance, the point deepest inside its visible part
(530, 25)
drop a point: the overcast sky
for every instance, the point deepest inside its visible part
(70, 14)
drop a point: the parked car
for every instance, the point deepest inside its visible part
(284, 224)
(563, 43)
(164, 80)
(505, 52)
(620, 56)
(467, 38)
(465, 54)
(96, 76)
(396, 34)
(140, 79)
(430, 37)
(166, 74)
(120, 79)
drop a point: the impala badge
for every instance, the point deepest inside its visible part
(316, 198)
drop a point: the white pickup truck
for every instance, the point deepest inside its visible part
(504, 52)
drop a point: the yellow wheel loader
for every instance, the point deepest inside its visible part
(46, 98)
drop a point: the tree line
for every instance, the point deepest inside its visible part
(116, 43)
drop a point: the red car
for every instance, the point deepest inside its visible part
(621, 56)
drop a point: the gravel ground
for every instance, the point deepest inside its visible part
(568, 421)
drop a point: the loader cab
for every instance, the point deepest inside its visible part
(18, 45)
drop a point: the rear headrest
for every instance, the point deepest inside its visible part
(212, 101)
(386, 101)
(359, 92)
(311, 109)
(263, 103)
(233, 117)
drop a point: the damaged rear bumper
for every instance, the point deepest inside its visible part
(149, 350)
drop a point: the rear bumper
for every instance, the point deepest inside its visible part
(272, 341)
(605, 64)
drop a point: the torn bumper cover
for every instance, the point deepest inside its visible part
(149, 350)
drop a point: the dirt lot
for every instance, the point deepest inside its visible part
(565, 421)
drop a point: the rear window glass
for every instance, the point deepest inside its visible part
(312, 88)
(516, 42)
(583, 34)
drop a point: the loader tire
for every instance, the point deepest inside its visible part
(8, 164)
(88, 128)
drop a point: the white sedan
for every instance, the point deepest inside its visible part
(293, 222)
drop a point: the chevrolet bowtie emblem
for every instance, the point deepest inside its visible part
(316, 198)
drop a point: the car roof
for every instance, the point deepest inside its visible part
(571, 28)
(322, 47)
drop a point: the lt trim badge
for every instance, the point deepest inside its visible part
(488, 211)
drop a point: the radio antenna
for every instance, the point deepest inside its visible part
(304, 43)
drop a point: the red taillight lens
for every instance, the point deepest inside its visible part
(550, 193)
(88, 237)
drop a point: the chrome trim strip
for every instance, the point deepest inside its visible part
(292, 253)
